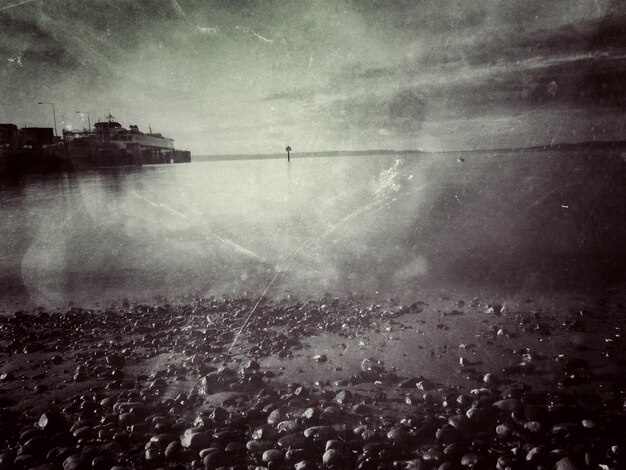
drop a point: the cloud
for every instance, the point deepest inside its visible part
(403, 111)
(396, 67)
(407, 106)
(177, 8)
(293, 94)
(208, 30)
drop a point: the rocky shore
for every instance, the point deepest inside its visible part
(329, 383)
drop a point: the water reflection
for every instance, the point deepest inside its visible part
(374, 225)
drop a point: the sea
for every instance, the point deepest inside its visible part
(391, 226)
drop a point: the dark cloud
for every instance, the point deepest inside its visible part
(606, 34)
(590, 84)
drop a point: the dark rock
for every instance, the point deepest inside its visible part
(195, 440)
(289, 427)
(163, 440)
(470, 460)
(216, 459)
(52, 422)
(102, 462)
(399, 436)
(567, 463)
(37, 446)
(77, 462)
(332, 458)
(219, 415)
(273, 455)
(128, 419)
(276, 416)
(319, 433)
(84, 432)
(508, 404)
(153, 454)
(305, 465)
(293, 441)
(259, 446)
(504, 431)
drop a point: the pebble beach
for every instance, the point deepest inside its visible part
(321, 383)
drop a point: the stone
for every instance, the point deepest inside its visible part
(567, 463)
(273, 455)
(288, 427)
(305, 465)
(343, 396)
(293, 441)
(319, 433)
(153, 454)
(163, 440)
(77, 462)
(276, 416)
(258, 446)
(173, 450)
(504, 431)
(195, 440)
(508, 404)
(469, 460)
(332, 458)
(52, 421)
(398, 436)
(37, 446)
(372, 365)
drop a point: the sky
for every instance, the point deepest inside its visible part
(251, 77)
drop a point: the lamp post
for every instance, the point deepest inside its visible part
(54, 116)
(88, 120)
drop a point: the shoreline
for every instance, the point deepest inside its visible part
(326, 383)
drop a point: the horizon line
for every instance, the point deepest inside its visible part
(555, 146)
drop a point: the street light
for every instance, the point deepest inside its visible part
(54, 116)
(88, 120)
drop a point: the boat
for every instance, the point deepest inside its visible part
(36, 149)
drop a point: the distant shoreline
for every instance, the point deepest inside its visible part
(590, 145)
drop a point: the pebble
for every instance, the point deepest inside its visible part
(293, 441)
(276, 416)
(288, 427)
(509, 404)
(262, 424)
(194, 439)
(52, 422)
(504, 431)
(173, 450)
(319, 433)
(259, 446)
(533, 426)
(76, 462)
(567, 464)
(162, 440)
(305, 465)
(398, 436)
(153, 454)
(273, 455)
(332, 458)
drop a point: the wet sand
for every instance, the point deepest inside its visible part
(443, 383)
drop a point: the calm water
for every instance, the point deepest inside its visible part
(378, 225)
